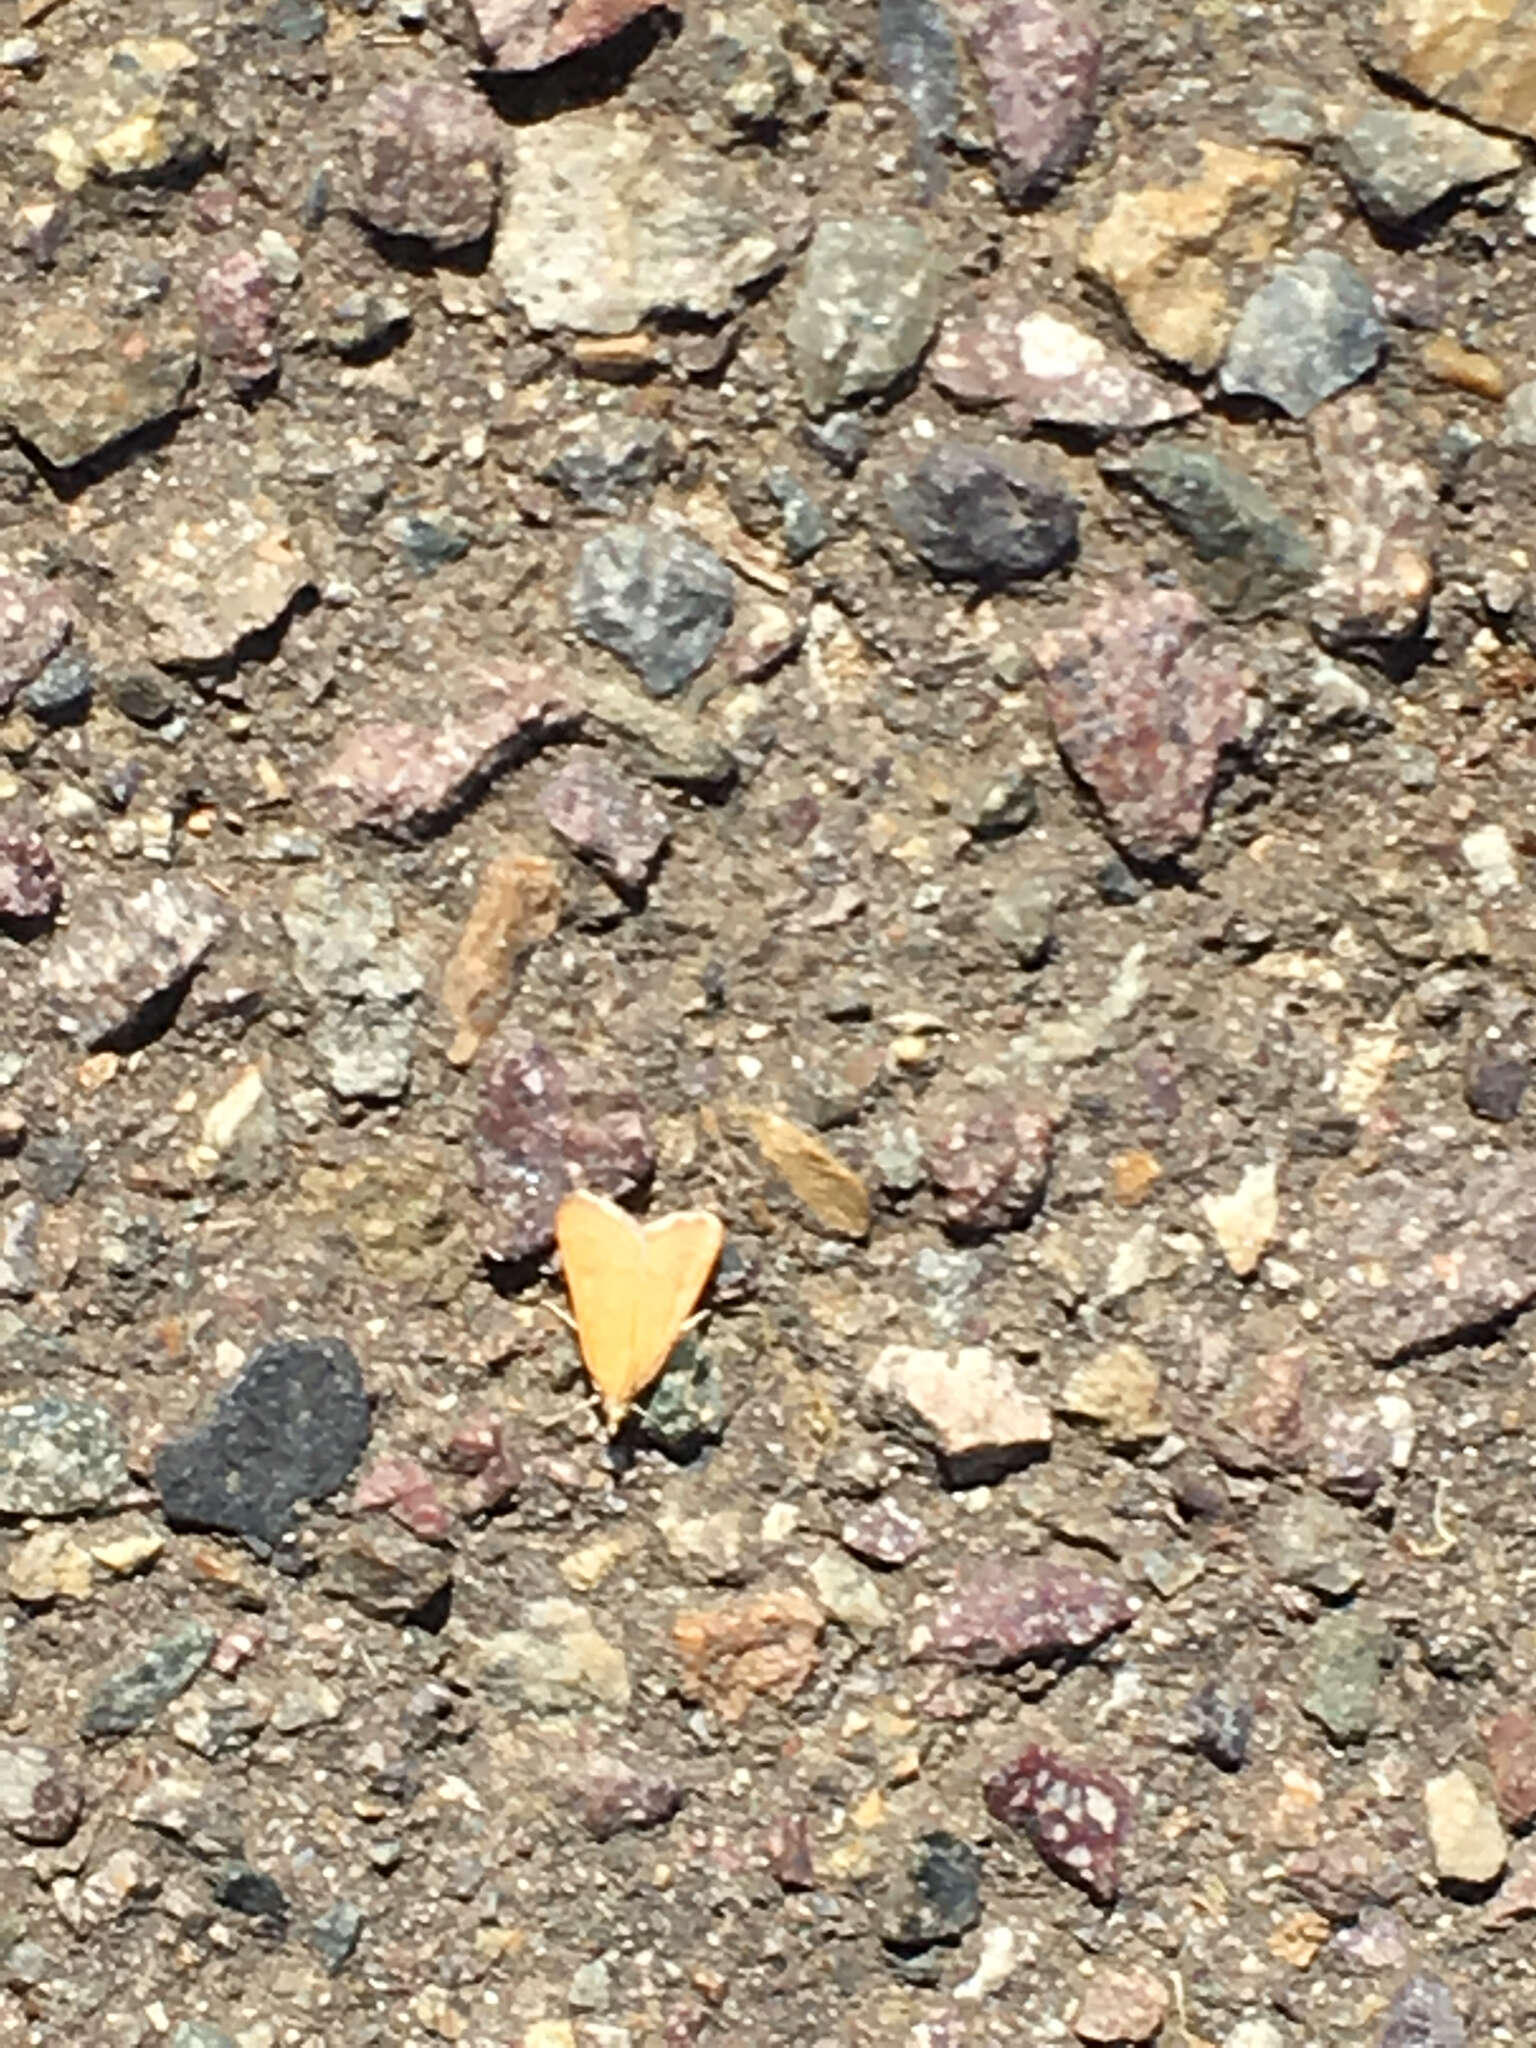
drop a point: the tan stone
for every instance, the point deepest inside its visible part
(1244, 1221)
(767, 1644)
(1121, 2005)
(1118, 1390)
(517, 905)
(1478, 56)
(832, 1192)
(48, 1566)
(1465, 1834)
(1169, 251)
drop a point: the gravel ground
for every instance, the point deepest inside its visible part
(907, 622)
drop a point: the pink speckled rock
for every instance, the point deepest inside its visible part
(429, 162)
(1077, 1817)
(1005, 1611)
(525, 35)
(1037, 366)
(237, 312)
(408, 781)
(1040, 61)
(989, 1157)
(34, 625)
(1144, 701)
(607, 819)
(30, 889)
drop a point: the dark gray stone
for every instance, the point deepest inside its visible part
(132, 1696)
(685, 1409)
(1256, 558)
(244, 1890)
(605, 459)
(940, 1898)
(805, 525)
(1221, 1723)
(979, 515)
(660, 601)
(291, 1427)
(1400, 161)
(336, 1934)
(62, 694)
(922, 60)
(1310, 331)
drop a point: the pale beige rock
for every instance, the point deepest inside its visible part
(1478, 56)
(1170, 252)
(849, 1593)
(1118, 1390)
(517, 905)
(204, 584)
(967, 1405)
(1382, 509)
(1121, 2005)
(556, 1663)
(1466, 1837)
(133, 109)
(48, 1566)
(74, 378)
(832, 1192)
(1244, 1221)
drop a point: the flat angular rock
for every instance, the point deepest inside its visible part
(429, 162)
(611, 822)
(866, 308)
(980, 515)
(1313, 329)
(988, 1155)
(555, 1662)
(121, 959)
(206, 584)
(30, 889)
(386, 1573)
(74, 379)
(1383, 521)
(1347, 1657)
(670, 745)
(408, 781)
(1040, 368)
(1400, 161)
(516, 905)
(58, 1456)
(1466, 1837)
(1423, 2015)
(1121, 2005)
(237, 312)
(606, 221)
(921, 58)
(1006, 1611)
(619, 1793)
(291, 1427)
(1430, 1250)
(134, 111)
(661, 601)
(1039, 61)
(1478, 56)
(547, 1125)
(366, 982)
(1143, 703)
(1077, 1817)
(1174, 255)
(967, 1405)
(1256, 558)
(764, 1645)
(40, 1799)
(525, 35)
(34, 624)
(132, 1696)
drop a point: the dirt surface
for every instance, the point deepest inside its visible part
(574, 628)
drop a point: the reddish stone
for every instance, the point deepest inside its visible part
(1265, 1426)
(1144, 703)
(1078, 1818)
(763, 1644)
(30, 889)
(405, 1488)
(605, 818)
(408, 781)
(884, 1533)
(788, 1843)
(990, 1159)
(546, 1126)
(525, 35)
(1001, 1613)
(618, 1794)
(1037, 366)
(237, 310)
(1040, 63)
(34, 625)
(1354, 1454)
(1511, 1743)
(429, 158)
(40, 1801)
(474, 1445)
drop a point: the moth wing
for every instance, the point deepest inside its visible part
(603, 1251)
(680, 1255)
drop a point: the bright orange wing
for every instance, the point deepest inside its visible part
(680, 1255)
(602, 1250)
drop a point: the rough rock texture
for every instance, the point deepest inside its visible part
(988, 1155)
(525, 35)
(237, 312)
(122, 960)
(603, 226)
(981, 515)
(58, 1456)
(207, 585)
(429, 162)
(1256, 559)
(1143, 703)
(34, 625)
(865, 310)
(611, 822)
(1077, 1817)
(1037, 366)
(30, 889)
(1400, 161)
(1378, 575)
(1039, 61)
(968, 1405)
(75, 380)
(1310, 331)
(1473, 55)
(660, 601)
(1003, 1613)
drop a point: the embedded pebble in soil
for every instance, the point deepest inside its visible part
(1039, 61)
(237, 311)
(30, 889)
(660, 601)
(525, 35)
(1005, 1612)
(34, 624)
(1310, 331)
(1036, 366)
(967, 1405)
(79, 378)
(866, 307)
(981, 515)
(429, 163)
(1077, 1816)
(131, 1697)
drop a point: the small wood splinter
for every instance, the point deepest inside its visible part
(633, 1287)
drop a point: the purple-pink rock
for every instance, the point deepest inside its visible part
(429, 162)
(988, 1157)
(607, 819)
(40, 1801)
(1039, 60)
(408, 781)
(525, 35)
(1354, 1454)
(30, 889)
(546, 1126)
(34, 625)
(619, 1793)
(1144, 701)
(1037, 366)
(237, 311)
(1003, 1612)
(884, 1533)
(1078, 1818)
(1423, 2015)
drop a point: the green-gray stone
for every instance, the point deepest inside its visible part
(685, 1409)
(867, 305)
(1347, 1656)
(1255, 558)
(58, 1456)
(1312, 1541)
(200, 2034)
(127, 1699)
